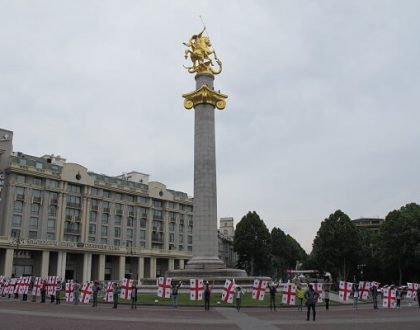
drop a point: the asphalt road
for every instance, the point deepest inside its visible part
(16, 314)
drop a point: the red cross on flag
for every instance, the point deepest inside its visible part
(412, 290)
(344, 290)
(24, 284)
(36, 289)
(196, 289)
(318, 289)
(86, 292)
(228, 292)
(4, 290)
(389, 298)
(69, 291)
(109, 296)
(364, 288)
(51, 285)
(289, 294)
(17, 285)
(9, 289)
(126, 288)
(164, 287)
(258, 289)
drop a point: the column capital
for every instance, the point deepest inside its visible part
(204, 95)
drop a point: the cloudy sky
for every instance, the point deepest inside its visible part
(323, 109)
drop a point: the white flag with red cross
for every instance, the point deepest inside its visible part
(109, 293)
(258, 289)
(4, 290)
(24, 284)
(11, 286)
(69, 291)
(17, 285)
(2, 279)
(289, 294)
(344, 290)
(126, 288)
(374, 283)
(51, 285)
(364, 288)
(36, 289)
(412, 290)
(389, 300)
(318, 289)
(196, 289)
(228, 291)
(86, 292)
(164, 287)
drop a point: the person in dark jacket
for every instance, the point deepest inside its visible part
(273, 290)
(207, 293)
(95, 290)
(311, 297)
(134, 292)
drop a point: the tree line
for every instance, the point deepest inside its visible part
(391, 255)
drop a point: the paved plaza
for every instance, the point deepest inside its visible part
(27, 315)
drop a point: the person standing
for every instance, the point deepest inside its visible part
(418, 295)
(207, 293)
(355, 295)
(238, 294)
(115, 294)
(43, 291)
(311, 297)
(174, 293)
(134, 297)
(398, 295)
(58, 288)
(95, 291)
(374, 292)
(327, 298)
(76, 292)
(272, 287)
(300, 294)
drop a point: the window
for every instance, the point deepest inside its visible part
(104, 240)
(94, 191)
(171, 237)
(94, 204)
(15, 233)
(172, 216)
(91, 239)
(38, 165)
(143, 212)
(20, 194)
(118, 196)
(142, 235)
(37, 181)
(33, 234)
(73, 201)
(181, 238)
(172, 226)
(117, 220)
(53, 183)
(143, 200)
(34, 208)
(107, 194)
(117, 232)
(51, 236)
(171, 205)
(18, 207)
(128, 243)
(157, 203)
(92, 229)
(53, 198)
(181, 228)
(105, 218)
(131, 198)
(93, 216)
(51, 225)
(117, 242)
(157, 214)
(16, 220)
(143, 223)
(104, 231)
(33, 223)
(52, 211)
(129, 234)
(189, 239)
(20, 179)
(157, 225)
(74, 188)
(129, 222)
(190, 229)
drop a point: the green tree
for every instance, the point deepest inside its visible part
(336, 247)
(286, 252)
(252, 243)
(400, 243)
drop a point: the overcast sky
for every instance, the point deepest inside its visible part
(323, 108)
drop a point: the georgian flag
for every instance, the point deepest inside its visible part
(364, 288)
(389, 300)
(11, 286)
(126, 288)
(344, 290)
(69, 291)
(289, 294)
(86, 292)
(51, 285)
(4, 290)
(17, 285)
(412, 290)
(374, 283)
(24, 284)
(36, 289)
(109, 295)
(164, 287)
(228, 291)
(196, 289)
(318, 289)
(2, 279)
(258, 289)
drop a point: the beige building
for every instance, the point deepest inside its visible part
(372, 224)
(58, 218)
(226, 233)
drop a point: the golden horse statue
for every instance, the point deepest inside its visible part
(199, 52)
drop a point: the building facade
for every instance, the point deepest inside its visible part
(226, 233)
(372, 224)
(58, 218)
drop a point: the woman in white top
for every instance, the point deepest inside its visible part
(238, 294)
(355, 295)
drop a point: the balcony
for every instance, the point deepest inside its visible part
(94, 207)
(20, 197)
(73, 205)
(36, 200)
(131, 214)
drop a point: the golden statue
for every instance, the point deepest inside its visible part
(199, 52)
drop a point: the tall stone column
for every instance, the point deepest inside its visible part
(140, 270)
(45, 263)
(205, 243)
(87, 266)
(61, 264)
(8, 262)
(101, 266)
(121, 267)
